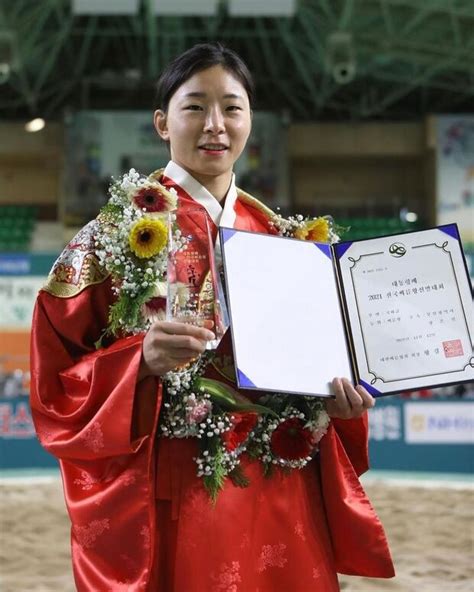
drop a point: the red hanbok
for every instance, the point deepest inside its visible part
(141, 519)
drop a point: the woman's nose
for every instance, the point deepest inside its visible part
(214, 121)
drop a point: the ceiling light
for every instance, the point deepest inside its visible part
(411, 217)
(185, 7)
(283, 8)
(112, 7)
(340, 57)
(35, 125)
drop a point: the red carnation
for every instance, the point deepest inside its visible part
(242, 424)
(291, 440)
(151, 199)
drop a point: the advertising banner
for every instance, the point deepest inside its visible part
(439, 423)
(21, 276)
(433, 435)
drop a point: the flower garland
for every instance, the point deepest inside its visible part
(319, 230)
(280, 430)
(131, 245)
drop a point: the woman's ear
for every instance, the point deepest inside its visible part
(161, 126)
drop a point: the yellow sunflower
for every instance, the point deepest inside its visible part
(147, 237)
(316, 230)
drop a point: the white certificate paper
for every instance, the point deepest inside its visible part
(393, 313)
(409, 307)
(287, 327)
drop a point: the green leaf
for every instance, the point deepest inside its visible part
(218, 390)
(256, 408)
(340, 230)
(99, 343)
(228, 398)
(126, 311)
(239, 478)
(215, 483)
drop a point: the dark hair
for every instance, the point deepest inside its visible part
(200, 57)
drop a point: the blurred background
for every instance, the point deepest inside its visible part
(365, 110)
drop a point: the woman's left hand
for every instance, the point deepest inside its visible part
(350, 401)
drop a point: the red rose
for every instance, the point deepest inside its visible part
(242, 424)
(151, 199)
(291, 440)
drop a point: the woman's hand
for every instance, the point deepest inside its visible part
(350, 401)
(169, 345)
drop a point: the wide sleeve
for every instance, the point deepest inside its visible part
(354, 437)
(86, 402)
(361, 548)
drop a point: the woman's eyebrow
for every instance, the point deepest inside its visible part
(200, 94)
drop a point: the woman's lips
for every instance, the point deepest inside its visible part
(213, 149)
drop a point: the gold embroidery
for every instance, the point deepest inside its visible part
(156, 176)
(91, 273)
(77, 267)
(253, 201)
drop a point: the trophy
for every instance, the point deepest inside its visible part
(195, 292)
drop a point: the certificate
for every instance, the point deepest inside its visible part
(393, 313)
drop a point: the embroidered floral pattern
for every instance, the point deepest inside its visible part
(195, 512)
(93, 437)
(86, 535)
(245, 544)
(145, 532)
(128, 478)
(272, 556)
(121, 586)
(316, 573)
(196, 504)
(228, 578)
(87, 481)
(299, 531)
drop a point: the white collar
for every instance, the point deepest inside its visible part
(220, 216)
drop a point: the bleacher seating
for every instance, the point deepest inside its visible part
(17, 223)
(371, 227)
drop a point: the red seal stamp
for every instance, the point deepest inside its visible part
(453, 348)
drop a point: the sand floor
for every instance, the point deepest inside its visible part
(430, 531)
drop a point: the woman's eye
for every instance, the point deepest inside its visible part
(234, 108)
(194, 108)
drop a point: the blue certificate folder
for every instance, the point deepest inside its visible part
(393, 313)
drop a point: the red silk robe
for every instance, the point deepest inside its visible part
(141, 519)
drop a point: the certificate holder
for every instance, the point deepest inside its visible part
(393, 313)
(408, 301)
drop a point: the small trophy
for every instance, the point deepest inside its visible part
(195, 291)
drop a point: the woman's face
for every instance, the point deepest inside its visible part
(207, 123)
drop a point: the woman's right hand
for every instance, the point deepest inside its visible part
(168, 345)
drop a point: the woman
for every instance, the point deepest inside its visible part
(141, 518)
